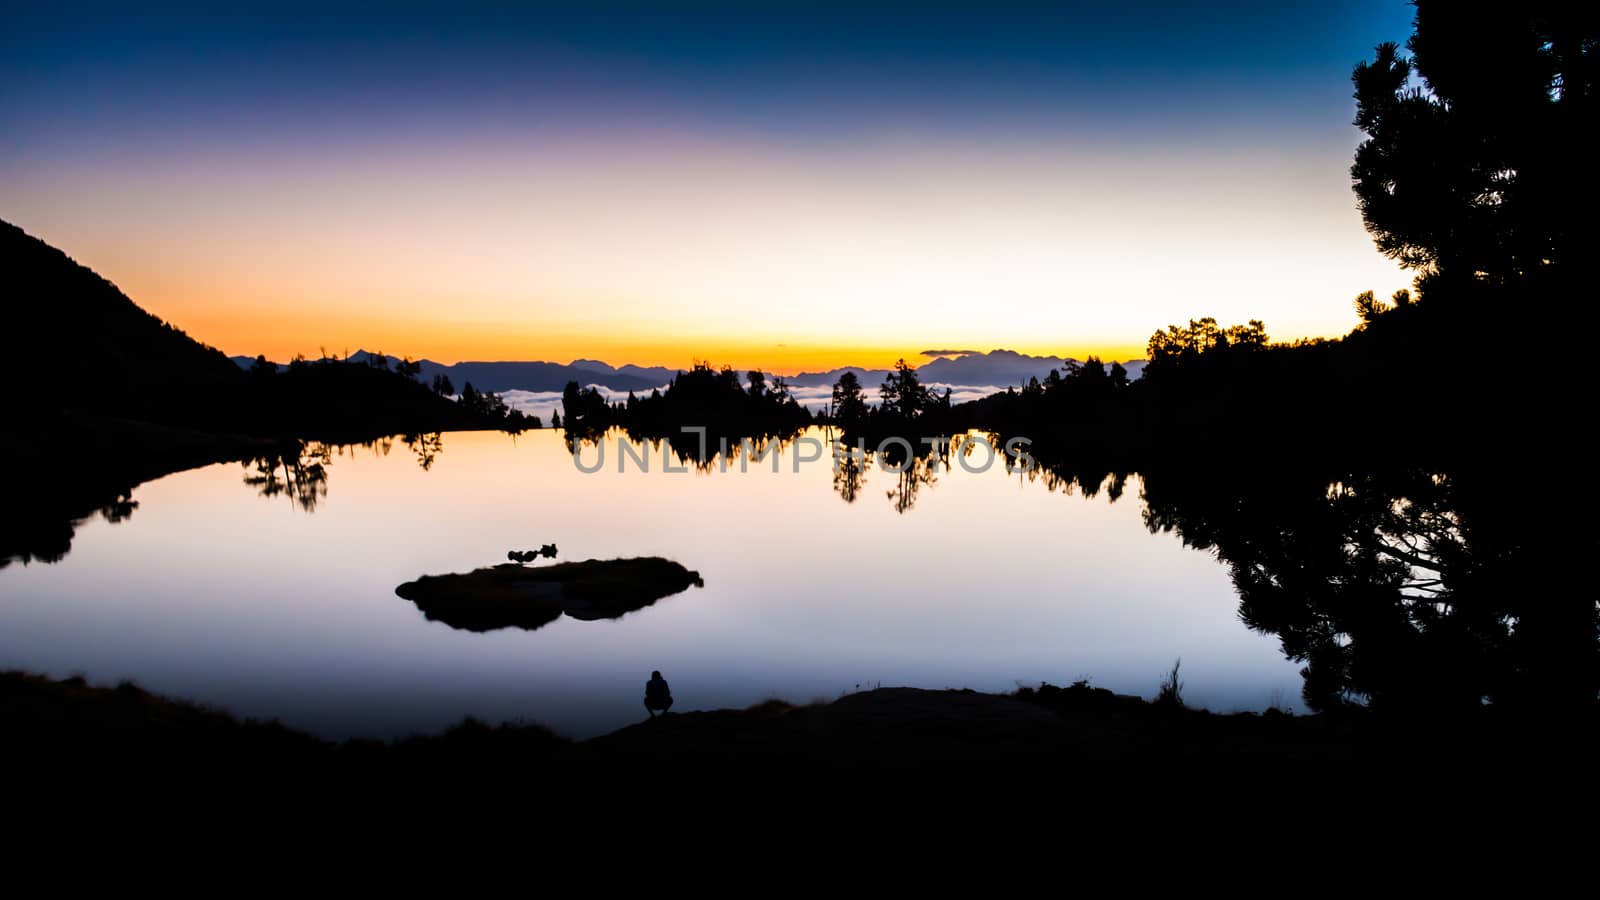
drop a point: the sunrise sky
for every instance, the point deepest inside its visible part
(757, 184)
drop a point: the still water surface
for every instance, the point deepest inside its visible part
(214, 592)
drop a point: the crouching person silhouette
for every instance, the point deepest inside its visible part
(657, 696)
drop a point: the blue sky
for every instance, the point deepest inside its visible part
(911, 134)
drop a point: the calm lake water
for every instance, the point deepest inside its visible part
(213, 592)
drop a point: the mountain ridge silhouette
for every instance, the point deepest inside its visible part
(998, 368)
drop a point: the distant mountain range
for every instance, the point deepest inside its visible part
(527, 376)
(997, 368)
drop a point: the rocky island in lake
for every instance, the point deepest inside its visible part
(511, 595)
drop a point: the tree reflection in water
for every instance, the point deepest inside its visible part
(427, 447)
(850, 475)
(1403, 589)
(299, 473)
(1422, 588)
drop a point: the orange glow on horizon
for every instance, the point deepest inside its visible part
(742, 253)
(448, 343)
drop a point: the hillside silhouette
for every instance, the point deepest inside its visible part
(101, 396)
(81, 346)
(73, 340)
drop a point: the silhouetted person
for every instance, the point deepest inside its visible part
(657, 696)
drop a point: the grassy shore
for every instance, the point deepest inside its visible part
(1044, 731)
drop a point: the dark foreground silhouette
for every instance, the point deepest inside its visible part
(529, 597)
(906, 748)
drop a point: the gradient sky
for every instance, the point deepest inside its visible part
(752, 183)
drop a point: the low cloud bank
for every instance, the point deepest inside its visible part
(544, 403)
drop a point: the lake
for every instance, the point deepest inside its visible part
(218, 592)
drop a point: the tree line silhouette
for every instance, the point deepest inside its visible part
(729, 408)
(369, 404)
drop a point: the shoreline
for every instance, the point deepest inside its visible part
(52, 721)
(73, 477)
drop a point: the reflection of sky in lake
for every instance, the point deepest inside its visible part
(213, 593)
